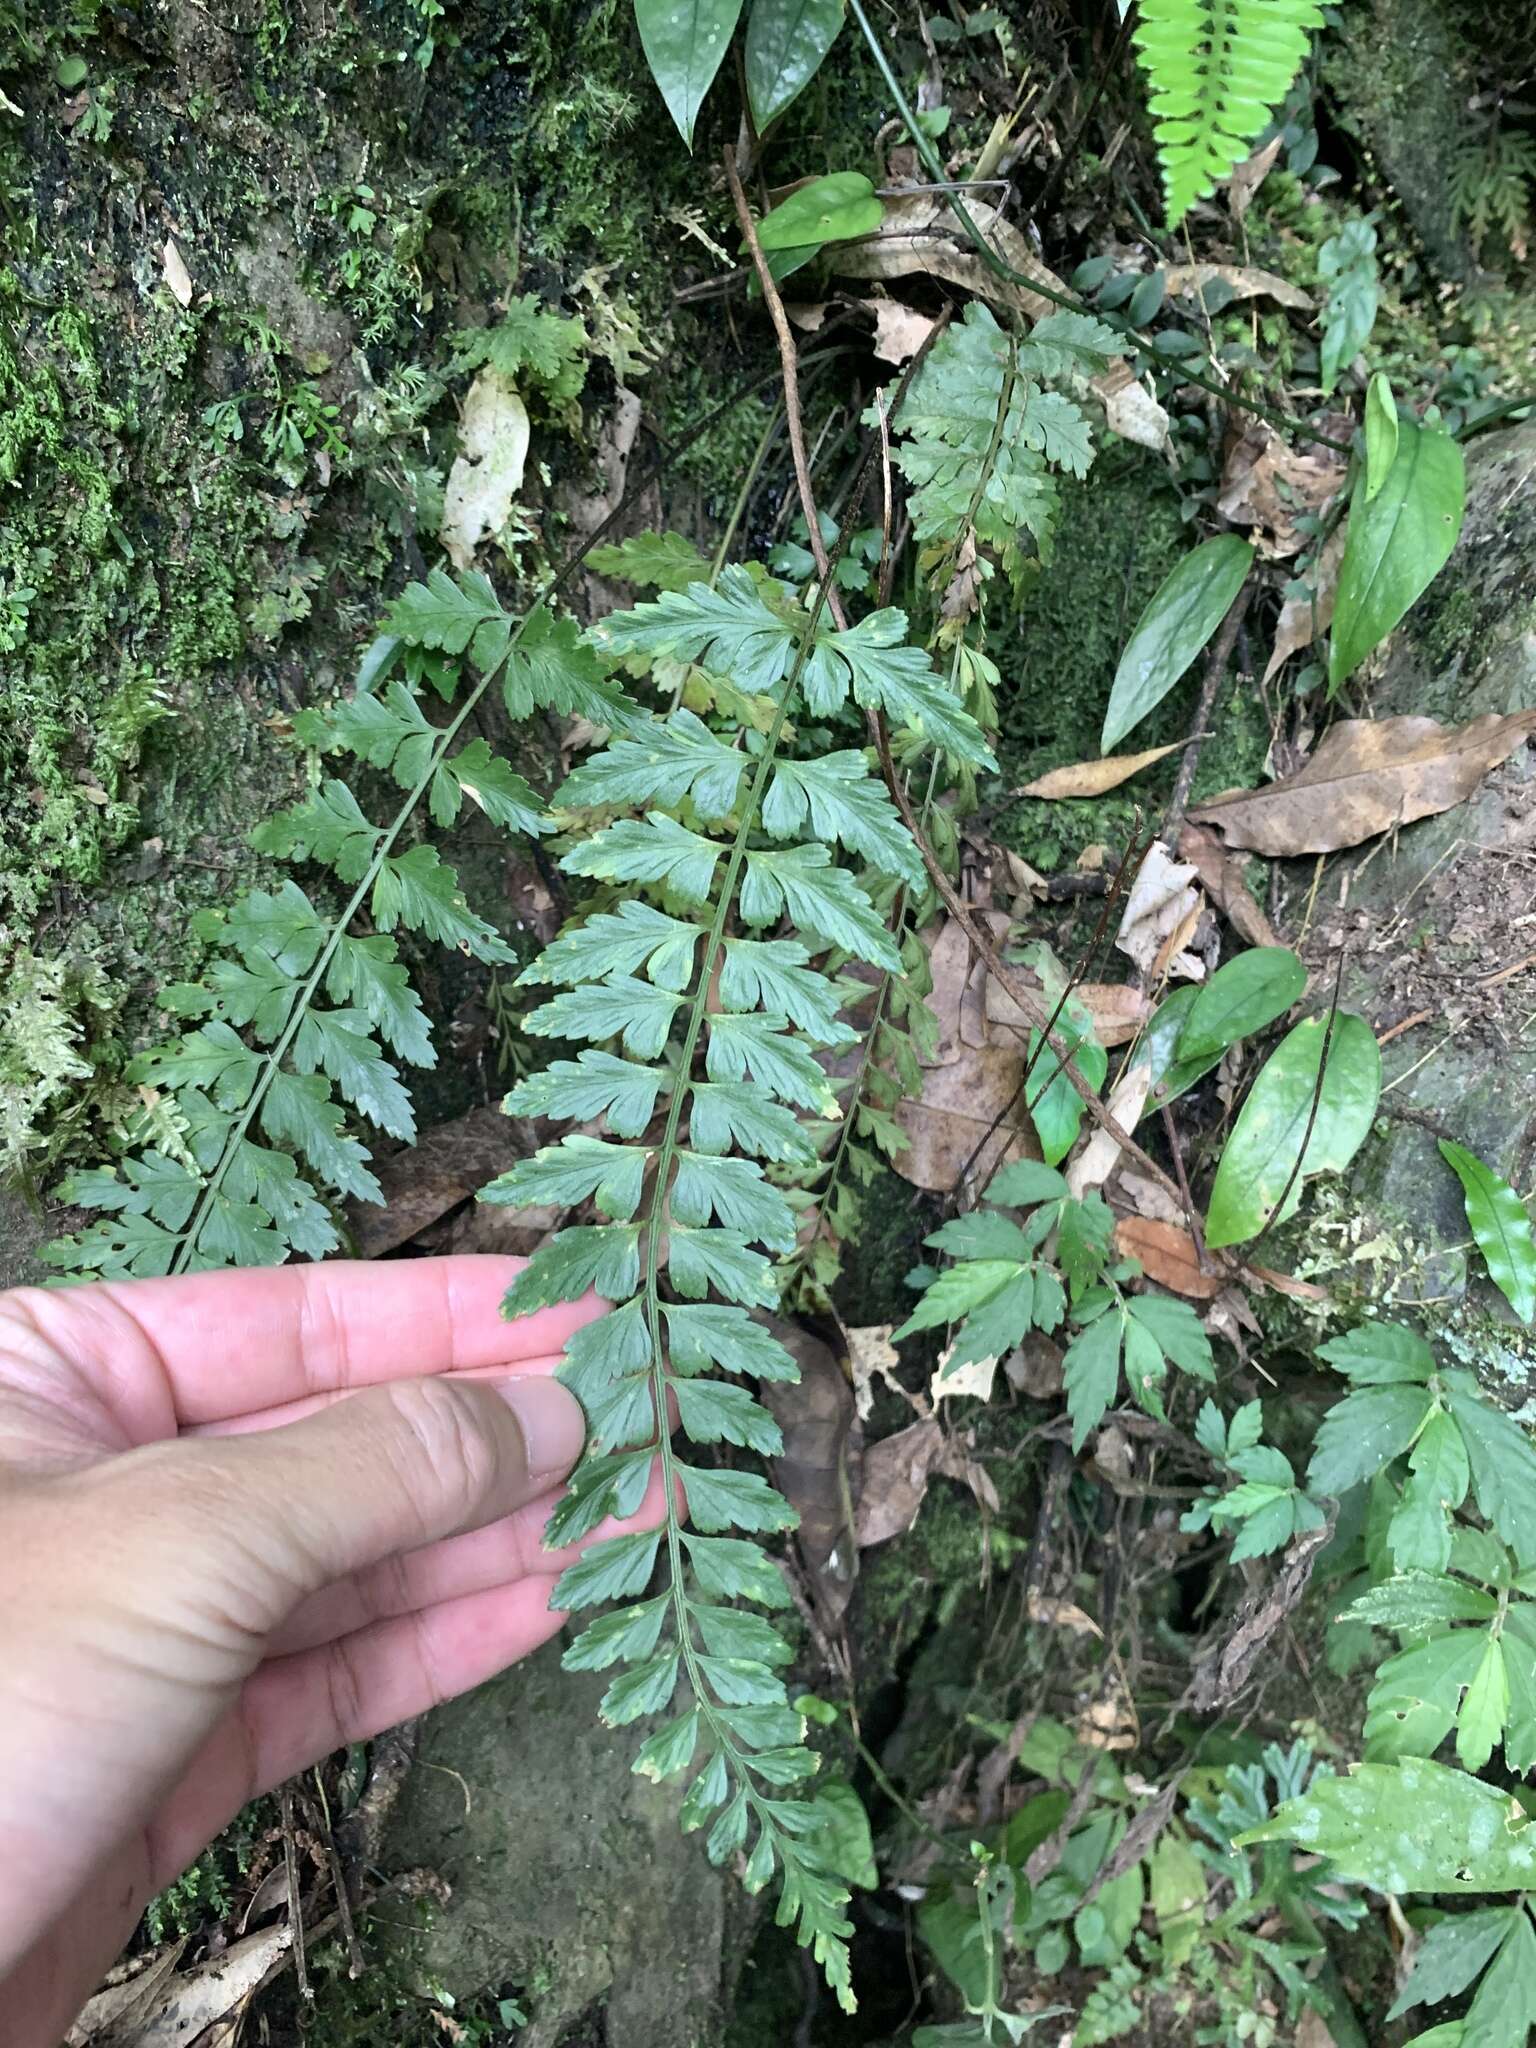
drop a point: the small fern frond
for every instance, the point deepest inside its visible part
(1216, 70)
(299, 1013)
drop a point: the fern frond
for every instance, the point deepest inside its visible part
(701, 1042)
(296, 1011)
(1216, 70)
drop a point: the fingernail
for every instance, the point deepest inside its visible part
(549, 1415)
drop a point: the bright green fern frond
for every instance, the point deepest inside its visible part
(1216, 70)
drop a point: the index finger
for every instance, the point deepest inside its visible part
(218, 1345)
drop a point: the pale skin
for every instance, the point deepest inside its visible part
(245, 1518)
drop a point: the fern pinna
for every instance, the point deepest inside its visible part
(246, 1147)
(700, 1030)
(1216, 71)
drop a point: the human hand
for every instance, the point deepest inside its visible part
(222, 1560)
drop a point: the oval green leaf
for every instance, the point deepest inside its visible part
(1380, 433)
(1239, 999)
(1187, 608)
(1398, 542)
(786, 42)
(684, 42)
(830, 209)
(1501, 1224)
(1158, 1048)
(1271, 1128)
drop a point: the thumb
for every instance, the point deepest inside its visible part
(383, 1471)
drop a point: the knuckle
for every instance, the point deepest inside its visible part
(445, 1428)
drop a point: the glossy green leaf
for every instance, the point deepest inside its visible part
(1185, 611)
(685, 42)
(1055, 1107)
(830, 209)
(786, 43)
(1501, 1224)
(1239, 999)
(1380, 433)
(1260, 1157)
(1397, 543)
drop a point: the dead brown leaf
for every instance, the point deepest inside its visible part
(1223, 880)
(187, 2004)
(1166, 1254)
(900, 330)
(1368, 776)
(422, 1182)
(1188, 280)
(1093, 778)
(1267, 485)
(1250, 175)
(1162, 907)
(1036, 1367)
(1305, 619)
(812, 1471)
(1118, 1012)
(896, 1475)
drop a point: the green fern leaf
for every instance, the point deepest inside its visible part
(635, 1011)
(389, 732)
(843, 805)
(636, 935)
(651, 849)
(340, 1043)
(365, 971)
(818, 897)
(592, 1085)
(327, 827)
(674, 761)
(551, 668)
(417, 890)
(1216, 70)
(729, 627)
(443, 614)
(297, 1110)
(493, 785)
(653, 561)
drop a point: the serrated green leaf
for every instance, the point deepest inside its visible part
(273, 1182)
(734, 1500)
(366, 972)
(667, 762)
(1260, 1158)
(603, 1257)
(236, 1234)
(700, 1259)
(845, 806)
(1363, 1433)
(956, 1292)
(1091, 1373)
(635, 1012)
(1501, 1224)
(281, 924)
(654, 561)
(714, 1411)
(1503, 2012)
(1417, 1600)
(551, 668)
(734, 1193)
(712, 1334)
(297, 1110)
(441, 613)
(644, 1690)
(726, 1568)
(729, 629)
(1451, 1954)
(1413, 1704)
(1480, 1723)
(328, 827)
(1419, 1534)
(491, 783)
(778, 1064)
(125, 1247)
(417, 890)
(622, 1636)
(818, 897)
(618, 943)
(1177, 1330)
(991, 1331)
(214, 1059)
(706, 1793)
(612, 1570)
(1410, 1826)
(729, 1831)
(654, 849)
(1085, 1236)
(724, 1113)
(774, 975)
(341, 1043)
(1503, 1464)
(1025, 1183)
(150, 1185)
(1055, 1107)
(576, 1170)
(886, 675)
(1378, 1354)
(984, 1234)
(594, 1084)
(669, 1750)
(732, 1632)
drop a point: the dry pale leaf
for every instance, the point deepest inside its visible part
(1162, 904)
(1267, 485)
(1118, 1012)
(1093, 778)
(808, 315)
(1305, 619)
(487, 472)
(1024, 880)
(1096, 1162)
(199, 1997)
(1149, 1199)
(1230, 1316)
(969, 1382)
(1250, 175)
(871, 1356)
(1130, 410)
(178, 282)
(1368, 776)
(1313, 2031)
(900, 330)
(1108, 1724)
(1166, 1253)
(949, 966)
(1223, 879)
(1054, 1613)
(1188, 280)
(120, 2008)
